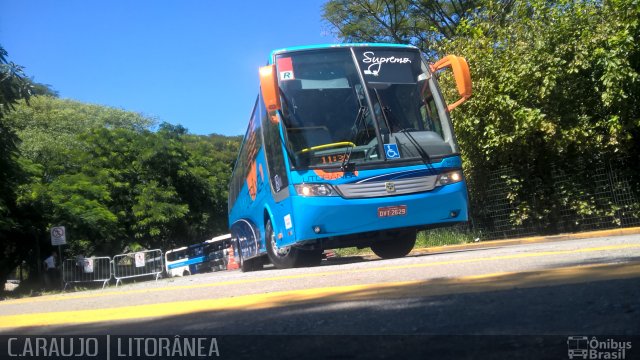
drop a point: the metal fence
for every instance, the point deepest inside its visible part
(142, 263)
(83, 270)
(572, 198)
(148, 263)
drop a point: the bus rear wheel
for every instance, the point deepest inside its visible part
(290, 256)
(396, 245)
(247, 265)
(253, 264)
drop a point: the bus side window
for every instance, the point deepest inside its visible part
(274, 153)
(248, 152)
(429, 112)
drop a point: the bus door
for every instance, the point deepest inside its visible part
(276, 156)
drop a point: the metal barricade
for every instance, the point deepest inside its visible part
(142, 263)
(80, 270)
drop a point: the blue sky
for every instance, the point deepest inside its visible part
(188, 62)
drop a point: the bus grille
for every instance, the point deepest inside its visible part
(387, 188)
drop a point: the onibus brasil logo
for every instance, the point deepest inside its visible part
(581, 347)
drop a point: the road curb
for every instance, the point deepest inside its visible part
(526, 240)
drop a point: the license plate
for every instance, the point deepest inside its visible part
(387, 211)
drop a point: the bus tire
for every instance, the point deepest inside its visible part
(253, 264)
(397, 245)
(247, 265)
(280, 260)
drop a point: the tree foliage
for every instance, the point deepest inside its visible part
(556, 86)
(105, 174)
(13, 87)
(423, 23)
(115, 183)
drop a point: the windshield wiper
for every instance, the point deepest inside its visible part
(424, 156)
(426, 159)
(346, 165)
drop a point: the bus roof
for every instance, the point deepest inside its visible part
(329, 46)
(219, 238)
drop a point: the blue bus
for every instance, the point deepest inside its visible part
(347, 145)
(197, 258)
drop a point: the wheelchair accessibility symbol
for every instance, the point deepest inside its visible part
(391, 150)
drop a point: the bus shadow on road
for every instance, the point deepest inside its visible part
(596, 261)
(342, 260)
(525, 312)
(592, 300)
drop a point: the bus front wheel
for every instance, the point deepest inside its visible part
(395, 245)
(290, 256)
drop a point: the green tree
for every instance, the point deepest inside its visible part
(60, 187)
(423, 23)
(555, 84)
(14, 234)
(104, 174)
(49, 127)
(130, 188)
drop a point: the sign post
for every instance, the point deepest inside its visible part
(59, 238)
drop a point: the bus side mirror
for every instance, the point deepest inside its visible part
(461, 73)
(269, 88)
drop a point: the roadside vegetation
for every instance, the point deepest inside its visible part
(556, 94)
(425, 239)
(117, 180)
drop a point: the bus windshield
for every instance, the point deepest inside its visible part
(361, 105)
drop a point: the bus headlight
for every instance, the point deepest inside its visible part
(449, 178)
(315, 190)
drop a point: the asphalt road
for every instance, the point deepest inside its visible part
(586, 286)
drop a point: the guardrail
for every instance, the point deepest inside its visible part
(142, 263)
(94, 269)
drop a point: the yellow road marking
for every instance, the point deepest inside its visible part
(467, 284)
(319, 274)
(529, 240)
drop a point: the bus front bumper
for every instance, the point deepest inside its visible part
(321, 217)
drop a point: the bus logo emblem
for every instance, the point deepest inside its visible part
(391, 187)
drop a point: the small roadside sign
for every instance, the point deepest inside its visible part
(139, 259)
(87, 265)
(58, 236)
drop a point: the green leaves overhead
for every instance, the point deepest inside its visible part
(49, 127)
(422, 23)
(13, 87)
(155, 209)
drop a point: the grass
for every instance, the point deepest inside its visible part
(27, 292)
(444, 237)
(427, 238)
(28, 289)
(352, 251)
